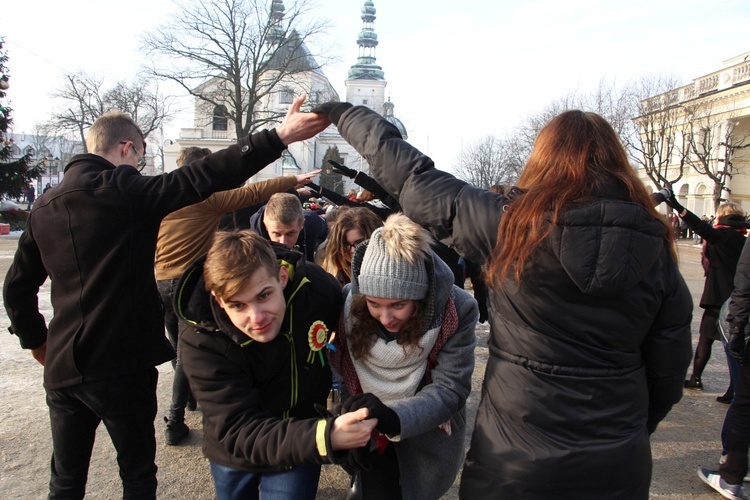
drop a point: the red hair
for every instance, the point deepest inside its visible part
(576, 156)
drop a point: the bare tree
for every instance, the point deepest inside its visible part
(489, 161)
(656, 142)
(713, 138)
(83, 98)
(234, 56)
(607, 99)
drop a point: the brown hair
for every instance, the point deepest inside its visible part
(111, 128)
(233, 258)
(576, 155)
(189, 155)
(285, 209)
(365, 327)
(337, 257)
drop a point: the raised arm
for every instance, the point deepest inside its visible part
(457, 214)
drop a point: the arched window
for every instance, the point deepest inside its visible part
(220, 118)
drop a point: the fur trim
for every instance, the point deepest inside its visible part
(406, 239)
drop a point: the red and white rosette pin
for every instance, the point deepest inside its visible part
(317, 338)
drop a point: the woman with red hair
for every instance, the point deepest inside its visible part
(589, 315)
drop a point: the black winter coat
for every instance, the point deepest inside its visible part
(313, 233)
(248, 390)
(587, 354)
(95, 235)
(723, 249)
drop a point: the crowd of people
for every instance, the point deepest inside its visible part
(301, 290)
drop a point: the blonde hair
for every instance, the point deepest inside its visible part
(232, 260)
(729, 208)
(111, 128)
(285, 209)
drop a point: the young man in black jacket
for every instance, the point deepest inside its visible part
(255, 322)
(94, 236)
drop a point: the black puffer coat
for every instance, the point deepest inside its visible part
(587, 354)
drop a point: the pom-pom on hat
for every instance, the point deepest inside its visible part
(393, 266)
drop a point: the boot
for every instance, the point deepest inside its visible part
(176, 431)
(694, 383)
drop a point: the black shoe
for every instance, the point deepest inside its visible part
(192, 404)
(726, 398)
(694, 383)
(176, 432)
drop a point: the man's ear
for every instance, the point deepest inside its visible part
(283, 276)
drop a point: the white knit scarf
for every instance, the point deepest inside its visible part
(389, 372)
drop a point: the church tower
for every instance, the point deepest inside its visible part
(366, 81)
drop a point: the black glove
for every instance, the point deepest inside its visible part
(346, 171)
(357, 459)
(736, 343)
(333, 109)
(484, 314)
(388, 421)
(672, 201)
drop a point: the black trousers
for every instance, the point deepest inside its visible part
(737, 441)
(127, 406)
(180, 385)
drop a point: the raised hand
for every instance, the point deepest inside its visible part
(298, 126)
(306, 178)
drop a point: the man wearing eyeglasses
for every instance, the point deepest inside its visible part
(94, 236)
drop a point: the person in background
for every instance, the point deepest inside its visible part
(284, 221)
(94, 236)
(736, 440)
(185, 235)
(255, 319)
(30, 193)
(723, 244)
(589, 314)
(405, 351)
(352, 226)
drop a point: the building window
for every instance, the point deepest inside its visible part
(364, 102)
(220, 118)
(286, 96)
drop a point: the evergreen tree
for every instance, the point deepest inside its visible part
(329, 178)
(14, 173)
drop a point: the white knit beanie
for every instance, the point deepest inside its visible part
(387, 272)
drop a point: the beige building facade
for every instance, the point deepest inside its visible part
(705, 124)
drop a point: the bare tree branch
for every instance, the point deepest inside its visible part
(237, 55)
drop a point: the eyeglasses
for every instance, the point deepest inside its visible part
(352, 246)
(141, 159)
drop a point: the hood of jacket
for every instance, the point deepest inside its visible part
(441, 280)
(195, 305)
(607, 247)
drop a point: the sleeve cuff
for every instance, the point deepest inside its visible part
(323, 438)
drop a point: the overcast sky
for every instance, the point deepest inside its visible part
(456, 71)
